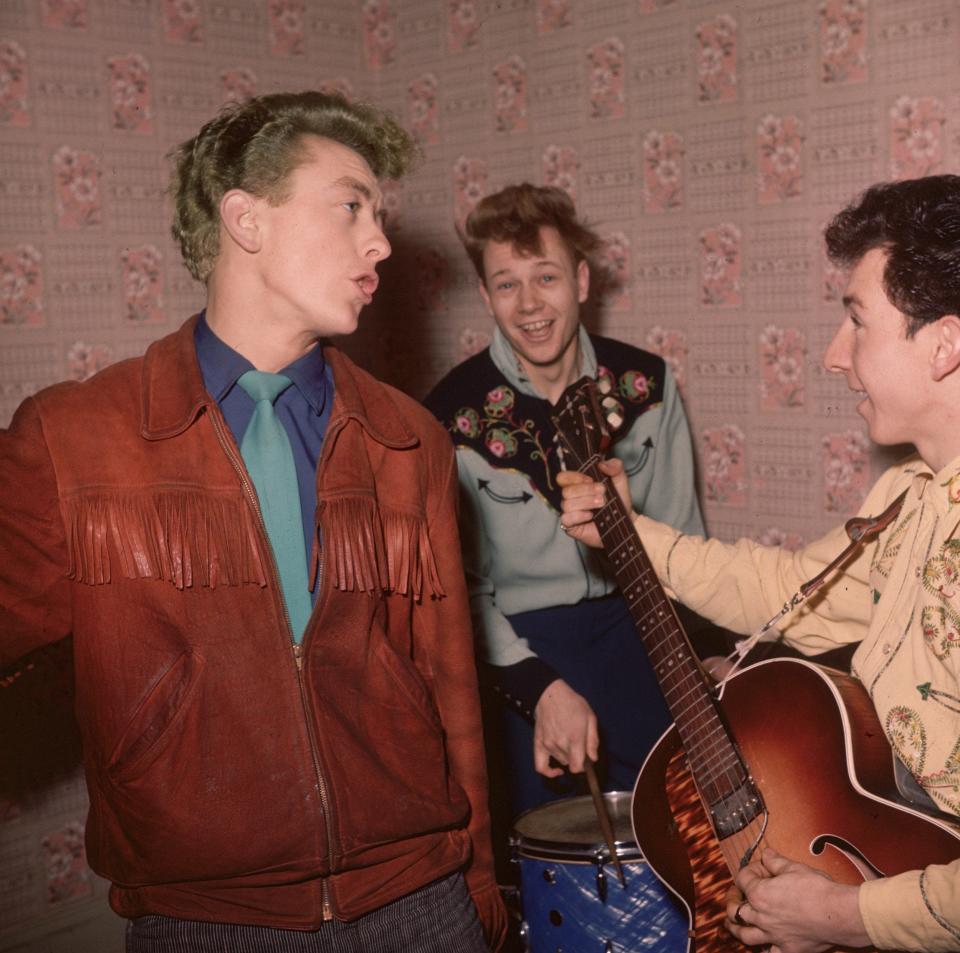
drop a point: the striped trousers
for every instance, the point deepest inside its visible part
(438, 918)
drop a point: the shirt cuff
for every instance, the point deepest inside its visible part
(895, 916)
(520, 685)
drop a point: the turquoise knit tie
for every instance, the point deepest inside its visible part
(269, 458)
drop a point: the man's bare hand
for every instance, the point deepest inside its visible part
(789, 907)
(565, 729)
(581, 496)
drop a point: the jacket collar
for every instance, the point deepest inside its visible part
(172, 394)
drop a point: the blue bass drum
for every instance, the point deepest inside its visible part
(572, 899)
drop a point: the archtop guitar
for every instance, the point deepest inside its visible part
(789, 755)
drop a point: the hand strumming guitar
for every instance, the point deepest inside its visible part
(789, 907)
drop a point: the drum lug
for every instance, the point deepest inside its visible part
(549, 875)
(608, 946)
(601, 882)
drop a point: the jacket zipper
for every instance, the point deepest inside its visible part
(327, 909)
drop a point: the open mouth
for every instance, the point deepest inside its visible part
(536, 330)
(367, 285)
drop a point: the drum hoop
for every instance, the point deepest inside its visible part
(534, 849)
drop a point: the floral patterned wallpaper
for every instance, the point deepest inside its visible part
(708, 141)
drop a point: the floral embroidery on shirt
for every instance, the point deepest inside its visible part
(501, 442)
(635, 385)
(502, 432)
(953, 490)
(907, 736)
(942, 572)
(940, 629)
(467, 421)
(941, 578)
(944, 786)
(884, 558)
(511, 428)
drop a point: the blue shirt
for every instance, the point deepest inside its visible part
(303, 409)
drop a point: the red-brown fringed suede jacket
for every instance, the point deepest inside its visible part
(232, 778)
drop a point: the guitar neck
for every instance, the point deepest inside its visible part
(714, 761)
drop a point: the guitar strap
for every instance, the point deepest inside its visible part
(859, 529)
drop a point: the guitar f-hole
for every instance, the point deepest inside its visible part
(854, 855)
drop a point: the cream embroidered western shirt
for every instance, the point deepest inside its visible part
(900, 599)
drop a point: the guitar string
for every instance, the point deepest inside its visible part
(716, 767)
(719, 749)
(705, 739)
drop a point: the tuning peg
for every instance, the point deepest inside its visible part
(603, 385)
(615, 420)
(609, 402)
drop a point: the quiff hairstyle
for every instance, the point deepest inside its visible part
(917, 223)
(517, 213)
(255, 145)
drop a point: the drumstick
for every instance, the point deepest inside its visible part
(600, 805)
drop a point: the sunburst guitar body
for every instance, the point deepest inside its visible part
(819, 759)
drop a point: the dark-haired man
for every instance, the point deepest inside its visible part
(899, 350)
(556, 632)
(254, 546)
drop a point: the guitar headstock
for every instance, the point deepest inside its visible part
(583, 427)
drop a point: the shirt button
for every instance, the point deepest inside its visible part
(887, 648)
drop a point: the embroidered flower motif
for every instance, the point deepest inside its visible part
(953, 489)
(907, 737)
(883, 561)
(467, 421)
(635, 385)
(940, 632)
(941, 572)
(940, 785)
(500, 430)
(499, 402)
(501, 442)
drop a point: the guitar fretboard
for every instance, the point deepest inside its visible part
(713, 758)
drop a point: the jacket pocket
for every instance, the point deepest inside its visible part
(408, 679)
(155, 718)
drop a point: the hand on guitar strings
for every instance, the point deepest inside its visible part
(581, 496)
(565, 729)
(788, 907)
